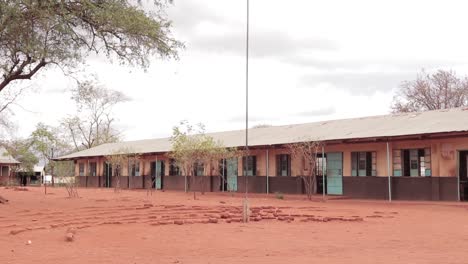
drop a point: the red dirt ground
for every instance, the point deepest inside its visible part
(171, 227)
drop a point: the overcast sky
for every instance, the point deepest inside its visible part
(310, 61)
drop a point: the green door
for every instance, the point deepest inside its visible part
(335, 173)
(231, 165)
(159, 169)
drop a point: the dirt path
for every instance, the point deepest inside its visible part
(170, 227)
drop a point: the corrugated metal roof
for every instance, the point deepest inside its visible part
(6, 158)
(438, 121)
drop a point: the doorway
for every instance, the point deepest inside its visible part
(107, 175)
(463, 174)
(231, 174)
(334, 165)
(157, 174)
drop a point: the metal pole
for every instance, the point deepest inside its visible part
(267, 184)
(222, 174)
(246, 99)
(155, 174)
(323, 173)
(389, 177)
(458, 174)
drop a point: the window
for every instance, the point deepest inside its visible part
(412, 162)
(283, 165)
(4, 170)
(135, 168)
(198, 169)
(92, 169)
(174, 170)
(81, 169)
(222, 168)
(249, 165)
(320, 165)
(363, 163)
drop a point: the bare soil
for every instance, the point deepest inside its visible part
(170, 227)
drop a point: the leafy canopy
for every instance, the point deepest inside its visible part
(191, 145)
(38, 33)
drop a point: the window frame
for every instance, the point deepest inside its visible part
(135, 168)
(283, 164)
(363, 162)
(174, 170)
(81, 169)
(198, 169)
(92, 168)
(418, 159)
(249, 165)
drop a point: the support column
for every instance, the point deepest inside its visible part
(267, 183)
(223, 162)
(457, 167)
(389, 173)
(323, 173)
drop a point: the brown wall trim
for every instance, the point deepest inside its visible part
(403, 188)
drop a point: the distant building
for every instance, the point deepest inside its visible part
(8, 166)
(424, 156)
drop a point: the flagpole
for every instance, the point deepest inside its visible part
(246, 160)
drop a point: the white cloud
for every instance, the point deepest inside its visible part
(311, 60)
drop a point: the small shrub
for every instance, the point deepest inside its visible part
(279, 195)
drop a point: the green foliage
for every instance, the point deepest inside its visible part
(47, 142)
(38, 33)
(22, 152)
(191, 145)
(64, 168)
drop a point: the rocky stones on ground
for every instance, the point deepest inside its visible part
(178, 222)
(213, 220)
(3, 200)
(17, 231)
(225, 215)
(70, 237)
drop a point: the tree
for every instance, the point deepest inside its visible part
(35, 34)
(94, 123)
(47, 142)
(192, 146)
(20, 150)
(65, 170)
(440, 90)
(118, 160)
(307, 150)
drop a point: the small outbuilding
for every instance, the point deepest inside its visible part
(8, 166)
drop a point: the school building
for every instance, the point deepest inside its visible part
(410, 156)
(8, 165)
